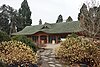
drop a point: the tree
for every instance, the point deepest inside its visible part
(90, 19)
(60, 19)
(69, 19)
(8, 19)
(25, 14)
(12, 16)
(84, 7)
(19, 23)
(4, 23)
(40, 22)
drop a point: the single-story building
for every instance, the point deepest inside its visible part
(50, 33)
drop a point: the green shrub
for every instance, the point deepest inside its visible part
(25, 40)
(2, 64)
(73, 35)
(4, 36)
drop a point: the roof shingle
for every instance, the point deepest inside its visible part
(54, 28)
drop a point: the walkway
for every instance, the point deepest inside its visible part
(48, 57)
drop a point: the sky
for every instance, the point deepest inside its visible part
(49, 10)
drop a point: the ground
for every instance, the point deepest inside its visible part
(47, 56)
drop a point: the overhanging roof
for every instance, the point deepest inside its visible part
(54, 28)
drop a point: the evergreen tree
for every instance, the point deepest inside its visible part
(60, 19)
(25, 14)
(83, 8)
(69, 19)
(40, 22)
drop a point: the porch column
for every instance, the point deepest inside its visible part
(47, 39)
(56, 39)
(31, 38)
(39, 39)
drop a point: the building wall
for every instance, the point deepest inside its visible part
(43, 38)
(48, 38)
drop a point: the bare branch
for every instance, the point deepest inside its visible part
(90, 21)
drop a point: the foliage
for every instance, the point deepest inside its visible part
(60, 19)
(2, 64)
(4, 36)
(73, 35)
(25, 14)
(69, 19)
(78, 50)
(11, 18)
(16, 51)
(25, 40)
(7, 19)
(90, 19)
(40, 22)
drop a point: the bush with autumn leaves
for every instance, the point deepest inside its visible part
(79, 50)
(16, 52)
(25, 40)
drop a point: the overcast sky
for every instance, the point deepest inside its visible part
(48, 10)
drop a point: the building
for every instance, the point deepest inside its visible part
(50, 33)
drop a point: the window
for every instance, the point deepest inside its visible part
(35, 38)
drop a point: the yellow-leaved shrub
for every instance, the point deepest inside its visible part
(78, 50)
(16, 51)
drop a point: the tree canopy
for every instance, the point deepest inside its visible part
(60, 19)
(25, 14)
(7, 19)
(12, 20)
(90, 20)
(69, 19)
(40, 22)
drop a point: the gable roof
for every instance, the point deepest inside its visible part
(54, 28)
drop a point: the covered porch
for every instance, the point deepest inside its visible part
(45, 38)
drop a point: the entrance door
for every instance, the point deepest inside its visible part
(52, 39)
(43, 39)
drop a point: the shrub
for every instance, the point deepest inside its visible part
(4, 36)
(2, 64)
(78, 50)
(16, 52)
(25, 40)
(73, 35)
